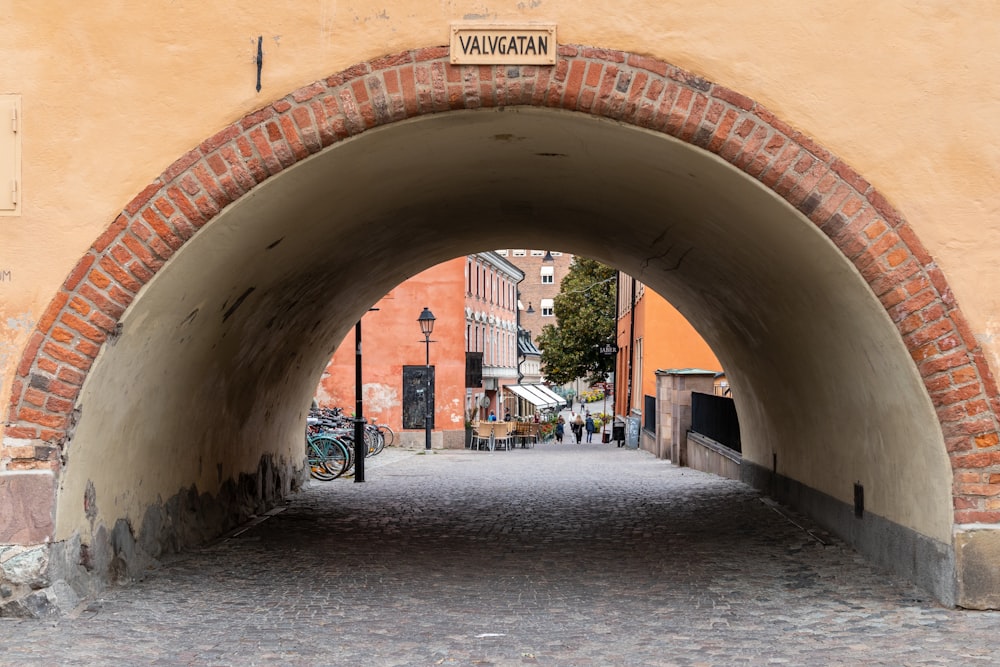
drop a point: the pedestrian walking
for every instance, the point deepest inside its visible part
(578, 428)
(560, 429)
(590, 428)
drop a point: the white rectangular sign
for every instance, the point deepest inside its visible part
(503, 44)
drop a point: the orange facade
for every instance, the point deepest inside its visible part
(391, 339)
(473, 299)
(661, 339)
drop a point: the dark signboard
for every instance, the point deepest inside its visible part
(417, 390)
(473, 369)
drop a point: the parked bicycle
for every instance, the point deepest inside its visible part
(330, 442)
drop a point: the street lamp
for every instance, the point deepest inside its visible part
(426, 320)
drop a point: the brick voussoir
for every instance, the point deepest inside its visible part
(101, 302)
(308, 128)
(112, 233)
(41, 418)
(210, 184)
(83, 328)
(307, 93)
(245, 178)
(162, 228)
(146, 256)
(79, 271)
(293, 138)
(732, 98)
(223, 136)
(143, 197)
(119, 275)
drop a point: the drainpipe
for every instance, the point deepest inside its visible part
(517, 335)
(618, 298)
(631, 349)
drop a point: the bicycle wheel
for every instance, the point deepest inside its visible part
(339, 457)
(373, 441)
(387, 434)
(316, 454)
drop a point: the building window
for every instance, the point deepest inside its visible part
(548, 308)
(548, 275)
(502, 253)
(518, 252)
(538, 253)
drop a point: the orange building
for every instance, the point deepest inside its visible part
(472, 355)
(651, 335)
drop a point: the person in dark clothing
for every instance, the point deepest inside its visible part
(591, 428)
(578, 428)
(560, 429)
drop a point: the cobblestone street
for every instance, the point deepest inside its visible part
(557, 555)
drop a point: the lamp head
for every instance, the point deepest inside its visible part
(426, 320)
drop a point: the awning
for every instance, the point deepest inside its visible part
(545, 391)
(524, 391)
(536, 394)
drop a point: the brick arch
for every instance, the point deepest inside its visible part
(632, 89)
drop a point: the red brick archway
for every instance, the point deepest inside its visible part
(632, 89)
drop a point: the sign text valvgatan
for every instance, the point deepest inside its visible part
(503, 44)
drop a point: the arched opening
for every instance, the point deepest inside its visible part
(224, 287)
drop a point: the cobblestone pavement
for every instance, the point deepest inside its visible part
(557, 555)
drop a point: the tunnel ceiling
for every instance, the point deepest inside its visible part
(737, 260)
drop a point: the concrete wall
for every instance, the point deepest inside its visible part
(704, 454)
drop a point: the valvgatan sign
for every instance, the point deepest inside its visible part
(503, 44)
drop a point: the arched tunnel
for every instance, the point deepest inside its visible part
(214, 363)
(161, 397)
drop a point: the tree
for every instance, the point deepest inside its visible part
(585, 313)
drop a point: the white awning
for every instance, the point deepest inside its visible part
(536, 394)
(527, 392)
(545, 391)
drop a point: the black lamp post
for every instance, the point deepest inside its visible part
(426, 320)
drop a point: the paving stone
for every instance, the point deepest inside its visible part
(581, 554)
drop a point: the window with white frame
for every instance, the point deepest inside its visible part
(548, 308)
(538, 253)
(548, 275)
(518, 252)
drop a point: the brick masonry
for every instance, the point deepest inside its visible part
(632, 89)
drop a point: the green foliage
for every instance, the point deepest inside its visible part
(585, 312)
